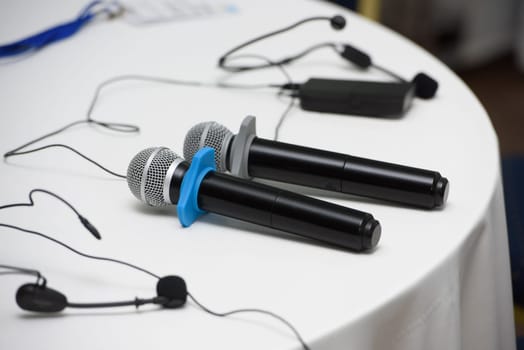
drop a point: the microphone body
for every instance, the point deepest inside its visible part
(253, 202)
(246, 155)
(283, 210)
(346, 174)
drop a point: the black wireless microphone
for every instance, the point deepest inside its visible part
(246, 155)
(157, 176)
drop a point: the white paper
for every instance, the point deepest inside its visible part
(139, 12)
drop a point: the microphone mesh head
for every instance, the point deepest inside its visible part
(135, 171)
(208, 134)
(147, 172)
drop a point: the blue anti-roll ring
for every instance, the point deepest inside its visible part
(187, 208)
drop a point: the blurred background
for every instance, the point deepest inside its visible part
(483, 42)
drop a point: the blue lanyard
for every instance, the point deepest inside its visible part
(53, 34)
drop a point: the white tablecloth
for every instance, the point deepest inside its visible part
(438, 279)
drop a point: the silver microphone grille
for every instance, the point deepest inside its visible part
(147, 172)
(208, 134)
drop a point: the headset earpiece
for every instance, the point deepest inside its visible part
(174, 289)
(425, 86)
(337, 22)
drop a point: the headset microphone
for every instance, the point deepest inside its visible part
(171, 290)
(158, 177)
(349, 97)
(246, 155)
(37, 297)
(171, 293)
(337, 22)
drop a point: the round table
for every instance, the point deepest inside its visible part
(437, 280)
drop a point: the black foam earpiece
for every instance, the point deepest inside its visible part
(338, 22)
(39, 298)
(174, 289)
(425, 86)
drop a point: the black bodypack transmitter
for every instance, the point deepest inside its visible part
(366, 98)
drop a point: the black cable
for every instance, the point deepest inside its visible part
(67, 126)
(112, 126)
(60, 145)
(32, 203)
(282, 87)
(84, 221)
(283, 116)
(36, 233)
(282, 61)
(310, 50)
(92, 229)
(222, 62)
(388, 72)
(119, 127)
(168, 81)
(251, 310)
(23, 271)
(121, 78)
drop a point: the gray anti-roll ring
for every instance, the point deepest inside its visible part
(240, 148)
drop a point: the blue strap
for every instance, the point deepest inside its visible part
(50, 35)
(187, 207)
